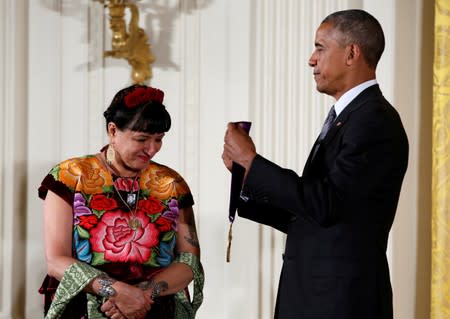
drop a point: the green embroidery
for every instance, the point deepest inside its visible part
(55, 172)
(76, 277)
(82, 232)
(98, 258)
(145, 193)
(184, 309)
(168, 236)
(154, 217)
(108, 189)
(98, 213)
(93, 305)
(152, 260)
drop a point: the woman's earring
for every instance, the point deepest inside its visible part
(110, 154)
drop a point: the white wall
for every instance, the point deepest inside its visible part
(13, 157)
(217, 61)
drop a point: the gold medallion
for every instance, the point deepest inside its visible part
(134, 223)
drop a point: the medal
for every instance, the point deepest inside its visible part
(134, 223)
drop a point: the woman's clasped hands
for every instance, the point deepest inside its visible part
(129, 302)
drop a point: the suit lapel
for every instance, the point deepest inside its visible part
(342, 119)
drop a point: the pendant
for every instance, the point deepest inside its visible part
(131, 199)
(134, 223)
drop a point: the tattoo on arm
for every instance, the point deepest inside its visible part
(158, 287)
(146, 285)
(192, 238)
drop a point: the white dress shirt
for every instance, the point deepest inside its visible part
(350, 95)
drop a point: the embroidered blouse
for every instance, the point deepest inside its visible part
(126, 227)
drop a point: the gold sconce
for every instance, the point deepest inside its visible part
(132, 45)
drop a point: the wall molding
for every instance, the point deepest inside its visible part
(13, 157)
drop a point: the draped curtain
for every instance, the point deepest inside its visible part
(440, 284)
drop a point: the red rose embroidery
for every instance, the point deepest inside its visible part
(87, 222)
(150, 206)
(101, 202)
(163, 224)
(121, 243)
(126, 184)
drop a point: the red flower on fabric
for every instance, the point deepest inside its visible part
(142, 95)
(88, 222)
(101, 202)
(163, 224)
(150, 206)
(116, 237)
(126, 184)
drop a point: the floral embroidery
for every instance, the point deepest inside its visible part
(126, 184)
(173, 213)
(82, 248)
(166, 252)
(79, 208)
(101, 223)
(88, 222)
(101, 202)
(163, 224)
(86, 174)
(120, 242)
(150, 206)
(163, 183)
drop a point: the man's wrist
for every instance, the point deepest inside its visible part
(248, 164)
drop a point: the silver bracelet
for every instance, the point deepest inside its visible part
(106, 290)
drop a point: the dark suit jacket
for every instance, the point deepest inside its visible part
(337, 215)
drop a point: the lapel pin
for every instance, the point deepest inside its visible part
(338, 124)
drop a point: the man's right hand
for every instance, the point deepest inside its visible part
(238, 147)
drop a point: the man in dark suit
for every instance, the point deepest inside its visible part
(338, 214)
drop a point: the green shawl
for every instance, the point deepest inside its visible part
(78, 275)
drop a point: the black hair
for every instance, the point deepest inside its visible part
(360, 27)
(149, 116)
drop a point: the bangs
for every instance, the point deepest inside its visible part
(151, 118)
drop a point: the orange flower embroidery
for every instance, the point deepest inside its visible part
(84, 175)
(163, 182)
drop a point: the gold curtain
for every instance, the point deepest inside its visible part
(440, 283)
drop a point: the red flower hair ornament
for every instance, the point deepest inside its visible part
(142, 95)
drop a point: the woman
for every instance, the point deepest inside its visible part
(120, 234)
